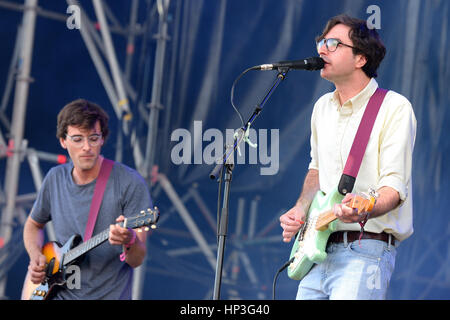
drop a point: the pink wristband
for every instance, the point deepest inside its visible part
(127, 246)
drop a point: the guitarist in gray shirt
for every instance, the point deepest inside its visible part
(65, 199)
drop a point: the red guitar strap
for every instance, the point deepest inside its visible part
(358, 149)
(99, 189)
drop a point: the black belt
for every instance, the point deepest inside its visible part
(354, 235)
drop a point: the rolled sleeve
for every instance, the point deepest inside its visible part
(396, 147)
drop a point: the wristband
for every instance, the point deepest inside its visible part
(127, 246)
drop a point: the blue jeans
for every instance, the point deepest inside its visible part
(350, 271)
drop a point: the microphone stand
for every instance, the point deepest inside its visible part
(225, 163)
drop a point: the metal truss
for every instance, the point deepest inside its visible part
(98, 32)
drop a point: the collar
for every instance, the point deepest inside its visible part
(358, 101)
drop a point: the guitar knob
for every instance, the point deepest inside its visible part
(153, 226)
(146, 229)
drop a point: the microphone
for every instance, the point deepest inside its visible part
(313, 63)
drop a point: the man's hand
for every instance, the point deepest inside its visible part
(291, 222)
(119, 235)
(136, 252)
(346, 213)
(36, 268)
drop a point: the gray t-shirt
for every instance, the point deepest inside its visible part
(60, 199)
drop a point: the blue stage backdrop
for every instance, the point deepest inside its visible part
(210, 43)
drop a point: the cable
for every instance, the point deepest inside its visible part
(232, 94)
(276, 275)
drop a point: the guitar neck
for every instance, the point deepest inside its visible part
(144, 219)
(324, 220)
(86, 246)
(357, 202)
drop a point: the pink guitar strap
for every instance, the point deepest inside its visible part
(358, 149)
(99, 189)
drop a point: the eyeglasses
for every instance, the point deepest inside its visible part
(78, 140)
(331, 44)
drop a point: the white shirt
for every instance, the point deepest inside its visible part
(387, 160)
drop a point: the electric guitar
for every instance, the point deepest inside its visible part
(58, 257)
(311, 241)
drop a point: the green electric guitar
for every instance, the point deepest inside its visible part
(311, 241)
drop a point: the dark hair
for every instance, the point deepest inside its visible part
(366, 41)
(84, 114)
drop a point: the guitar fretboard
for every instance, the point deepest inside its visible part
(84, 247)
(145, 219)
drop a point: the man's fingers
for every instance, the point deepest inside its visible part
(346, 214)
(118, 235)
(299, 217)
(41, 261)
(38, 268)
(347, 198)
(291, 221)
(37, 273)
(287, 236)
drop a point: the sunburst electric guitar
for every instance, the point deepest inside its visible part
(310, 242)
(58, 257)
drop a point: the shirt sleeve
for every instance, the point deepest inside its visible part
(41, 211)
(314, 163)
(396, 146)
(136, 196)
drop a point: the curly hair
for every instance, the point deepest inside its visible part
(83, 114)
(366, 41)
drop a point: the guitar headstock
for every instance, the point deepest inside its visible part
(144, 220)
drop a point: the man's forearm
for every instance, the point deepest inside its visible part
(136, 253)
(33, 237)
(310, 187)
(388, 200)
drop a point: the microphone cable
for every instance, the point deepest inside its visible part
(232, 94)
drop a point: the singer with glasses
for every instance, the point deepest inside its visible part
(106, 271)
(360, 252)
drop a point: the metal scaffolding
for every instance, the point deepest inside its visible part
(118, 88)
(124, 97)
